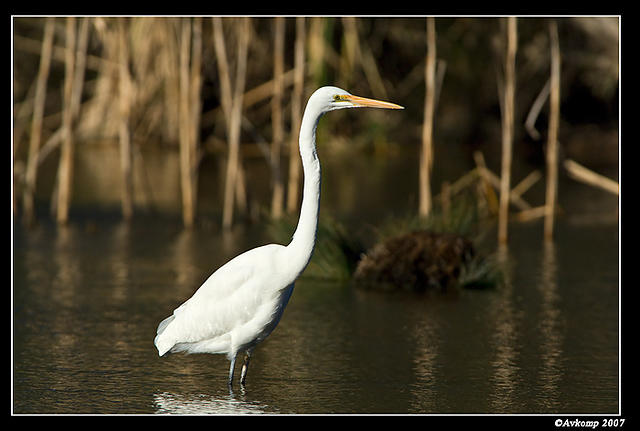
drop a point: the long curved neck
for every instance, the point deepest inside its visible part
(301, 246)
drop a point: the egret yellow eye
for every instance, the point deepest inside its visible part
(339, 98)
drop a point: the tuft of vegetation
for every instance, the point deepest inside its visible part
(416, 261)
(461, 219)
(405, 252)
(336, 252)
(480, 272)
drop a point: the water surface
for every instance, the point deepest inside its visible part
(87, 300)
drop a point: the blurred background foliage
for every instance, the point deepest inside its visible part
(381, 57)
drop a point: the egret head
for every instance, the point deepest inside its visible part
(331, 98)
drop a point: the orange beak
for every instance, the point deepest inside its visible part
(371, 103)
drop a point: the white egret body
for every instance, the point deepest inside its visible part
(242, 302)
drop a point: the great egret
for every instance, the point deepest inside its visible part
(242, 302)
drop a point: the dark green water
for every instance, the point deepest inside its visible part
(87, 300)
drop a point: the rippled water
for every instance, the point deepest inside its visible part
(87, 300)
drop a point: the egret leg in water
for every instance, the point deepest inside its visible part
(242, 301)
(245, 367)
(231, 368)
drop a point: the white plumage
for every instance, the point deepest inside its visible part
(233, 305)
(242, 302)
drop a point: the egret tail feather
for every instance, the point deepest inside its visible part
(164, 323)
(161, 344)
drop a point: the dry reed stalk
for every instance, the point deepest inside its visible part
(65, 166)
(50, 144)
(552, 137)
(195, 101)
(27, 44)
(56, 138)
(124, 133)
(153, 45)
(107, 74)
(80, 67)
(193, 127)
(317, 49)
(226, 101)
(507, 128)
(525, 184)
(36, 123)
(349, 50)
(464, 181)
(252, 97)
(23, 115)
(190, 86)
(426, 154)
(170, 69)
(460, 184)
(185, 168)
(370, 68)
(359, 51)
(147, 65)
(277, 123)
(265, 90)
(587, 176)
(293, 187)
(536, 107)
(235, 123)
(223, 69)
(492, 180)
(527, 212)
(487, 180)
(531, 213)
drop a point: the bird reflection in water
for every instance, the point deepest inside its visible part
(198, 404)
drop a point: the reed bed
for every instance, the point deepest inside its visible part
(234, 88)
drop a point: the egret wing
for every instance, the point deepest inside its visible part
(228, 299)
